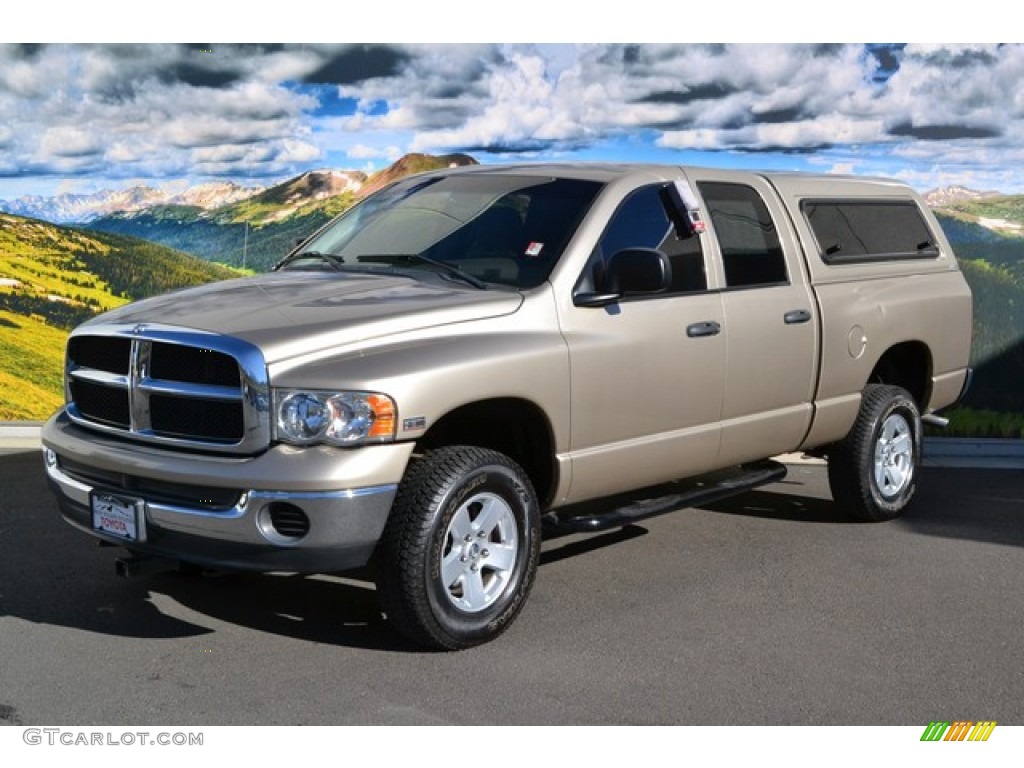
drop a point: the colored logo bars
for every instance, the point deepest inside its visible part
(960, 730)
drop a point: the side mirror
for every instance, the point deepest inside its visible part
(638, 270)
(630, 271)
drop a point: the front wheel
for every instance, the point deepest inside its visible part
(873, 471)
(460, 550)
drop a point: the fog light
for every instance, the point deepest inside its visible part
(50, 457)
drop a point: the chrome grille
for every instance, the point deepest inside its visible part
(173, 362)
(102, 402)
(196, 417)
(169, 386)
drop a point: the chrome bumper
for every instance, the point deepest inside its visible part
(342, 526)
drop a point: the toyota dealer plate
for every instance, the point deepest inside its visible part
(115, 516)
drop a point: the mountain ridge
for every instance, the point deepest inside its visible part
(941, 197)
(259, 231)
(77, 208)
(314, 184)
(308, 187)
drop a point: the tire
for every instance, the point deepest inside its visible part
(459, 553)
(873, 471)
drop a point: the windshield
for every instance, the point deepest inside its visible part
(494, 228)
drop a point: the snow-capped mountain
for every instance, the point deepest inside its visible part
(214, 194)
(80, 208)
(945, 196)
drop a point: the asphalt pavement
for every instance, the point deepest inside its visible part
(768, 608)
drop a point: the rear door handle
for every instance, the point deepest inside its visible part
(707, 328)
(796, 316)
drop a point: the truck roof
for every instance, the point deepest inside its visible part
(796, 183)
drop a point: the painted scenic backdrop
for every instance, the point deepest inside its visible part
(132, 169)
(111, 248)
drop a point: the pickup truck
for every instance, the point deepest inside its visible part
(455, 364)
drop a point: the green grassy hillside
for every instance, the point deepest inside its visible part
(992, 259)
(1009, 207)
(53, 278)
(989, 230)
(30, 367)
(224, 240)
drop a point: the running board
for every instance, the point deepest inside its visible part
(712, 488)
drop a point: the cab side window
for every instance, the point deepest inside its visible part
(751, 251)
(642, 221)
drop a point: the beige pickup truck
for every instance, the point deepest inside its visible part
(467, 356)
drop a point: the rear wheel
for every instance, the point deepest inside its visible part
(460, 550)
(873, 471)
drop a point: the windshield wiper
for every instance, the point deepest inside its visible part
(331, 259)
(448, 269)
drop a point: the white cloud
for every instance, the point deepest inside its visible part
(69, 141)
(365, 152)
(524, 106)
(123, 152)
(715, 96)
(295, 151)
(166, 110)
(144, 110)
(972, 87)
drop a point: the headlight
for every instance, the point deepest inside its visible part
(306, 417)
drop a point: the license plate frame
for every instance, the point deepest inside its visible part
(119, 516)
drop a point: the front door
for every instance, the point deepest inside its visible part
(647, 370)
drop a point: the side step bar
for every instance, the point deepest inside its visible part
(712, 488)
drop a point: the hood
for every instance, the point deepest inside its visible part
(291, 313)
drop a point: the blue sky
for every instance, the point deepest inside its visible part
(81, 117)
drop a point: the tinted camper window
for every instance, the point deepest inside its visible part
(850, 231)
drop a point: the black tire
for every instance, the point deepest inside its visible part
(873, 471)
(459, 553)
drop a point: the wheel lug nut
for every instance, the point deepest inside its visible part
(485, 553)
(481, 534)
(469, 537)
(473, 567)
(463, 559)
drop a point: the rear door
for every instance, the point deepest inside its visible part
(771, 323)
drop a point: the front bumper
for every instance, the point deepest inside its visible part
(339, 498)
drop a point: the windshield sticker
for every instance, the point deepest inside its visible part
(533, 249)
(687, 200)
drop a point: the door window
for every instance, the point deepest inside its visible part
(751, 252)
(643, 221)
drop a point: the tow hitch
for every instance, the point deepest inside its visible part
(134, 566)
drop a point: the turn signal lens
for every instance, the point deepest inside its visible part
(383, 408)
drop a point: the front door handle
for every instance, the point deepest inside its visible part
(796, 316)
(707, 328)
